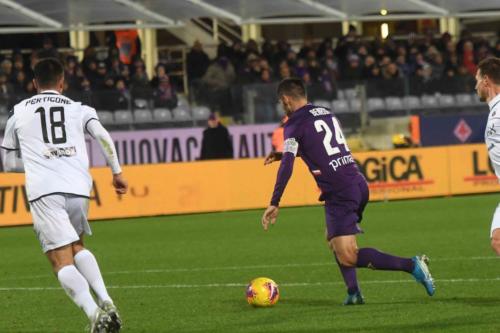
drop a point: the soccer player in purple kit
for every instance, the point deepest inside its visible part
(314, 134)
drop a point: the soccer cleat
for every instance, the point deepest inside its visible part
(422, 274)
(354, 299)
(100, 323)
(116, 322)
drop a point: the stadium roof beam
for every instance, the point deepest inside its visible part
(324, 8)
(430, 7)
(492, 13)
(218, 11)
(325, 19)
(143, 10)
(31, 14)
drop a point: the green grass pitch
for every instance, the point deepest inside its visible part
(188, 273)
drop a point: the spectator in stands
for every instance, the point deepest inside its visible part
(108, 97)
(18, 64)
(115, 67)
(19, 86)
(124, 97)
(237, 56)
(6, 92)
(139, 82)
(164, 95)
(216, 142)
(99, 79)
(48, 49)
(496, 51)
(284, 70)
(125, 74)
(468, 57)
(218, 79)
(197, 62)
(330, 63)
(160, 73)
(353, 70)
(6, 68)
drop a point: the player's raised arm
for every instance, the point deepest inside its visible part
(12, 161)
(98, 132)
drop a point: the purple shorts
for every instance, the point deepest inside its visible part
(344, 210)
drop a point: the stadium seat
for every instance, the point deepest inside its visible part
(162, 115)
(123, 117)
(355, 105)
(140, 103)
(475, 99)
(323, 103)
(340, 94)
(181, 114)
(464, 99)
(446, 100)
(105, 117)
(412, 102)
(143, 116)
(182, 101)
(200, 112)
(340, 106)
(375, 103)
(394, 103)
(429, 101)
(350, 93)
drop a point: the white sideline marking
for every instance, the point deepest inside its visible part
(234, 268)
(229, 285)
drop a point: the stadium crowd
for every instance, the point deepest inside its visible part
(425, 64)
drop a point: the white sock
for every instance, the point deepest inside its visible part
(87, 265)
(77, 289)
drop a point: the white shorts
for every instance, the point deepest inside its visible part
(495, 224)
(60, 219)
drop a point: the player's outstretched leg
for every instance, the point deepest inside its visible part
(354, 296)
(86, 263)
(417, 266)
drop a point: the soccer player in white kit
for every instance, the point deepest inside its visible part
(45, 138)
(488, 90)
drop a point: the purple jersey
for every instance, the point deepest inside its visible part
(314, 134)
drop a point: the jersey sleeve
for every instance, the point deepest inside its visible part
(290, 150)
(89, 114)
(10, 140)
(291, 138)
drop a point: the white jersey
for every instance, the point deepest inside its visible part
(48, 128)
(492, 134)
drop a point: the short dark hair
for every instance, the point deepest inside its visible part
(48, 72)
(293, 87)
(490, 67)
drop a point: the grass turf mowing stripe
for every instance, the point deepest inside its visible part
(233, 268)
(227, 285)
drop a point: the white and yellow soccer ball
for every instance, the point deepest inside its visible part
(262, 292)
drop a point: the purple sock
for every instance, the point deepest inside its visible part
(350, 278)
(374, 259)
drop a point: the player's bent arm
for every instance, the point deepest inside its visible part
(105, 141)
(284, 174)
(12, 161)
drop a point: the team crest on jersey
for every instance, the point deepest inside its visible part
(491, 130)
(291, 146)
(60, 152)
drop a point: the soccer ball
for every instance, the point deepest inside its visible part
(262, 292)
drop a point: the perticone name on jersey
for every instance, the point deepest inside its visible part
(52, 99)
(319, 112)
